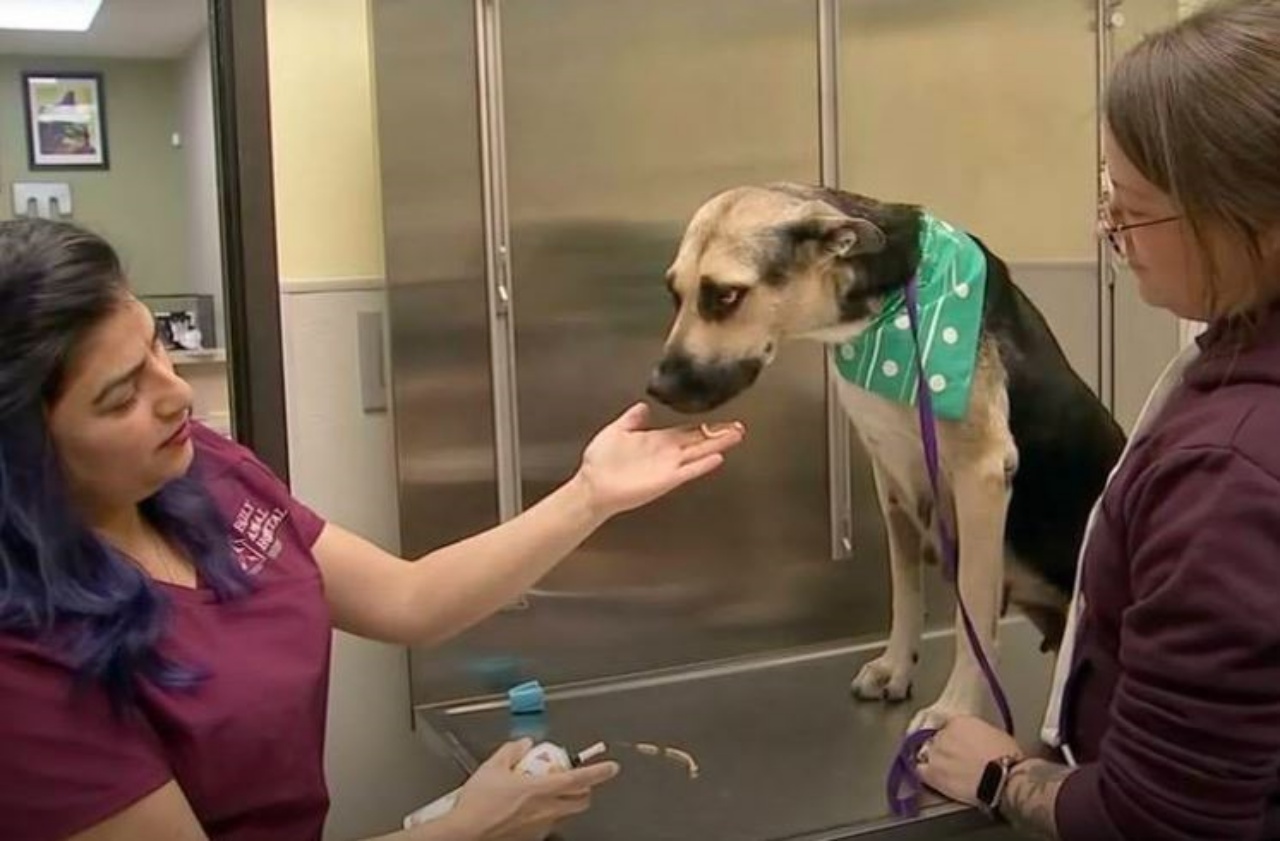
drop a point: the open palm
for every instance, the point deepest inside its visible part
(627, 465)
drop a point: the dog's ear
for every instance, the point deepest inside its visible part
(837, 234)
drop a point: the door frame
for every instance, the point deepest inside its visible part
(251, 283)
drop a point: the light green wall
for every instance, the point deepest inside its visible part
(139, 203)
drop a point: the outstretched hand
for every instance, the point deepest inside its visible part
(628, 465)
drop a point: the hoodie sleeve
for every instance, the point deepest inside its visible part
(1193, 746)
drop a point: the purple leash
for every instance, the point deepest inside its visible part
(903, 785)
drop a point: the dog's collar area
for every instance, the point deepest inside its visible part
(951, 282)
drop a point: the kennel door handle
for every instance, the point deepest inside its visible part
(373, 379)
(502, 288)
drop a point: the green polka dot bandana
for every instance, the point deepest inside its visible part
(952, 282)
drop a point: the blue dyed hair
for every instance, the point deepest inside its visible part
(58, 580)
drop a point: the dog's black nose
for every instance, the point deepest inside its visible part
(667, 380)
(690, 387)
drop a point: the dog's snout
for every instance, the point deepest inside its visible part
(688, 386)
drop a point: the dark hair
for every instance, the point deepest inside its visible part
(58, 580)
(1196, 108)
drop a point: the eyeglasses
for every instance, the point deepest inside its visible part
(1116, 234)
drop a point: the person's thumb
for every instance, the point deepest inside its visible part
(637, 417)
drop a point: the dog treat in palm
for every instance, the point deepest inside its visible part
(709, 432)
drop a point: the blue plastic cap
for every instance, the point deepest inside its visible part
(527, 698)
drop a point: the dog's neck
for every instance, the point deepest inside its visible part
(877, 275)
(938, 327)
(838, 334)
(868, 279)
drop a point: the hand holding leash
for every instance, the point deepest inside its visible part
(954, 758)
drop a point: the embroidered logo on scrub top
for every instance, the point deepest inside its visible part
(952, 283)
(255, 541)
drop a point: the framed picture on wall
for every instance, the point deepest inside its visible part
(66, 120)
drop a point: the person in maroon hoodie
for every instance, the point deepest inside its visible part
(166, 605)
(1166, 713)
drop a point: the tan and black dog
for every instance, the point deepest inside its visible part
(1021, 469)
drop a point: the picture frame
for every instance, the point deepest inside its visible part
(66, 120)
(185, 322)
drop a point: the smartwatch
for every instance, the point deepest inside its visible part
(992, 785)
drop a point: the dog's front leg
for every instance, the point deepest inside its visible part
(981, 494)
(888, 677)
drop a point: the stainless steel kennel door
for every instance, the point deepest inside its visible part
(622, 117)
(425, 63)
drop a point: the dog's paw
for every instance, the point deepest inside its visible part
(885, 678)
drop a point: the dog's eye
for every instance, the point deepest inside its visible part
(718, 301)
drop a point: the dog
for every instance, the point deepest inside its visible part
(1021, 467)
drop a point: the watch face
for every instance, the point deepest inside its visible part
(989, 783)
